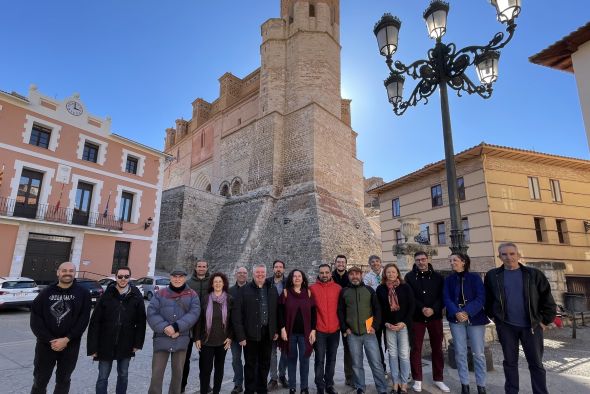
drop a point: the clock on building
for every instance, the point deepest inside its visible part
(74, 107)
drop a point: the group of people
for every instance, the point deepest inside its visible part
(286, 314)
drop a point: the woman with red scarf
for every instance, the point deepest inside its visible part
(397, 308)
(297, 321)
(213, 332)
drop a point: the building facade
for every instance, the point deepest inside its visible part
(269, 169)
(71, 190)
(540, 201)
(572, 54)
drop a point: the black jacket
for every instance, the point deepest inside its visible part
(405, 298)
(428, 292)
(58, 313)
(117, 325)
(537, 292)
(200, 329)
(343, 281)
(246, 312)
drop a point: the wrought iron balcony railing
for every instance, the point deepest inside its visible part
(52, 213)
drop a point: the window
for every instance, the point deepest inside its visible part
(29, 190)
(120, 256)
(131, 165)
(424, 236)
(534, 188)
(555, 190)
(539, 229)
(90, 152)
(312, 10)
(40, 136)
(395, 208)
(461, 189)
(561, 231)
(436, 193)
(441, 233)
(126, 206)
(465, 224)
(398, 237)
(82, 205)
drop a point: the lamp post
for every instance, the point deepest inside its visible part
(445, 66)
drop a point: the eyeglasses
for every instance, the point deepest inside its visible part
(123, 276)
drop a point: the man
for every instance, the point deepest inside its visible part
(326, 293)
(519, 300)
(278, 280)
(171, 314)
(340, 277)
(373, 279)
(359, 316)
(427, 287)
(199, 282)
(116, 330)
(241, 275)
(59, 316)
(255, 328)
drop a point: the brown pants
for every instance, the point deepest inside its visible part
(159, 361)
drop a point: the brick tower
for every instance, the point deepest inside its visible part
(301, 195)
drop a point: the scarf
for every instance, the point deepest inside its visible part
(221, 299)
(392, 295)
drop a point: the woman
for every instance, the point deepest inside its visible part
(213, 332)
(297, 320)
(464, 298)
(397, 308)
(171, 314)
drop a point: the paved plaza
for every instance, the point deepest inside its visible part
(567, 361)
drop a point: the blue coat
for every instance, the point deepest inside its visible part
(180, 310)
(474, 293)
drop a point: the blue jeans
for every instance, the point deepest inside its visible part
(236, 363)
(104, 370)
(326, 346)
(398, 347)
(369, 342)
(282, 367)
(297, 350)
(462, 333)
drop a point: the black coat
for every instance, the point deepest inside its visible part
(200, 329)
(405, 298)
(246, 312)
(428, 292)
(117, 325)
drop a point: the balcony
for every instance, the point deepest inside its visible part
(55, 214)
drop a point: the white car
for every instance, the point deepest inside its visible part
(17, 292)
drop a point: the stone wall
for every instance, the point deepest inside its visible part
(555, 273)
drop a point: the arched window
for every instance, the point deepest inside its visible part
(208, 188)
(236, 187)
(224, 189)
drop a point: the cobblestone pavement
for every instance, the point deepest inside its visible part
(567, 361)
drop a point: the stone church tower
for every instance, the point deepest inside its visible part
(269, 169)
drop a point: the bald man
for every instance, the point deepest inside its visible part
(59, 316)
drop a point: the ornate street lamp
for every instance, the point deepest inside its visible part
(445, 66)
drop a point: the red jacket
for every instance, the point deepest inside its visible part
(326, 300)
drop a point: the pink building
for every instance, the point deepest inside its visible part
(70, 189)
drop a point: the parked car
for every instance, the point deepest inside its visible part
(17, 292)
(105, 282)
(149, 285)
(93, 287)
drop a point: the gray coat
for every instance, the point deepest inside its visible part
(181, 310)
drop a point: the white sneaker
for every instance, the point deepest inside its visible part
(417, 387)
(442, 387)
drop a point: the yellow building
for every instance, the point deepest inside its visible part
(540, 201)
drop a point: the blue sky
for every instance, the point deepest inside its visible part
(144, 61)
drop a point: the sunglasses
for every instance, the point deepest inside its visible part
(123, 276)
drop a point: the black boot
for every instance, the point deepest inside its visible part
(481, 390)
(464, 389)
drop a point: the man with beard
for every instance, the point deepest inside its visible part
(59, 316)
(236, 349)
(116, 330)
(325, 293)
(278, 280)
(340, 277)
(199, 282)
(359, 316)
